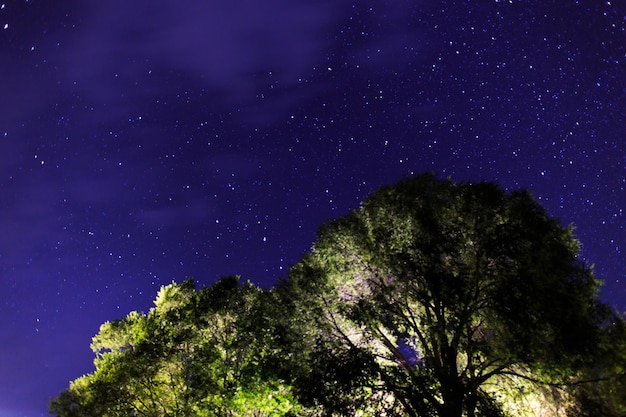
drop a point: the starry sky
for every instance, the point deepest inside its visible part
(147, 141)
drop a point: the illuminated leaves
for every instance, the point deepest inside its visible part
(195, 353)
(432, 299)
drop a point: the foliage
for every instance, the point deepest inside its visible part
(193, 354)
(482, 286)
(432, 299)
(605, 393)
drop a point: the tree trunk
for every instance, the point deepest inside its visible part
(453, 393)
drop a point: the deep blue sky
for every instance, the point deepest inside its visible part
(146, 141)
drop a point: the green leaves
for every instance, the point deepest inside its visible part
(119, 335)
(194, 353)
(484, 287)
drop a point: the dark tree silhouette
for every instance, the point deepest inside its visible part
(484, 289)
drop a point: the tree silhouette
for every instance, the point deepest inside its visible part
(453, 297)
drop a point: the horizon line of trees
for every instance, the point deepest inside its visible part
(433, 299)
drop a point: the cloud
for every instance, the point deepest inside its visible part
(224, 44)
(112, 58)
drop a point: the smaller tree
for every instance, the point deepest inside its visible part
(193, 354)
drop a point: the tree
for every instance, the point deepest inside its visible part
(432, 299)
(193, 354)
(444, 299)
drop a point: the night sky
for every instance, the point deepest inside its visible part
(146, 141)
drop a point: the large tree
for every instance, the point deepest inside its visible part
(444, 299)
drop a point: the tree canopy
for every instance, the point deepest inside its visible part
(431, 299)
(457, 295)
(193, 354)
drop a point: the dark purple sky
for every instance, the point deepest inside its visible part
(144, 141)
